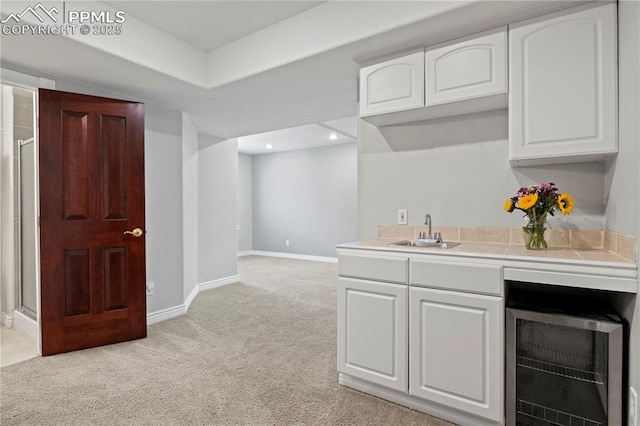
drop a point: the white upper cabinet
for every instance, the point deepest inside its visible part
(467, 69)
(562, 87)
(394, 85)
(460, 77)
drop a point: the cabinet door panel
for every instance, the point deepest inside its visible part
(372, 332)
(393, 85)
(562, 88)
(466, 70)
(456, 350)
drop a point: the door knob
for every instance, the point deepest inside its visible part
(136, 232)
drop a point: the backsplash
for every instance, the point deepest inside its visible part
(580, 239)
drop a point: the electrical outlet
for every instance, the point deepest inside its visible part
(633, 407)
(402, 216)
(286, 243)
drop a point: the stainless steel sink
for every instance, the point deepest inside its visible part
(424, 243)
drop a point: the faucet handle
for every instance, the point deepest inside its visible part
(438, 237)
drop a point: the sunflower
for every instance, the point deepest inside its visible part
(527, 201)
(565, 203)
(509, 205)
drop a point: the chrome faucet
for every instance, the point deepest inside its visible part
(437, 237)
(427, 221)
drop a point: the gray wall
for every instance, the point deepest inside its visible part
(457, 169)
(164, 211)
(190, 204)
(307, 197)
(217, 208)
(623, 175)
(245, 203)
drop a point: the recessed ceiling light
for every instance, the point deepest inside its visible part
(269, 146)
(333, 136)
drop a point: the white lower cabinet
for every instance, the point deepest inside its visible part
(425, 333)
(456, 350)
(372, 331)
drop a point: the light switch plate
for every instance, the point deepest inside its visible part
(402, 216)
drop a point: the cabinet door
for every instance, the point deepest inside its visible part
(467, 69)
(456, 350)
(372, 332)
(562, 88)
(391, 86)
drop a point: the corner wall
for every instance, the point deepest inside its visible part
(164, 207)
(217, 209)
(190, 205)
(245, 203)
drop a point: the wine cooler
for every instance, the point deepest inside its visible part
(563, 360)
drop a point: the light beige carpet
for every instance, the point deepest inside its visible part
(259, 352)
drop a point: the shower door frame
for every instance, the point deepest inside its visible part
(17, 199)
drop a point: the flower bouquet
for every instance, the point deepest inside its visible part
(536, 201)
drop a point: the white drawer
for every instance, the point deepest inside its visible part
(372, 267)
(467, 277)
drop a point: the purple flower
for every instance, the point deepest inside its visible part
(544, 187)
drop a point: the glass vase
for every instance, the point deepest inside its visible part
(534, 234)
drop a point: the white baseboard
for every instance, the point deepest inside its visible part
(165, 314)
(293, 256)
(245, 253)
(27, 325)
(218, 283)
(7, 320)
(176, 311)
(191, 296)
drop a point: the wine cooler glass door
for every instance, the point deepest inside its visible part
(562, 370)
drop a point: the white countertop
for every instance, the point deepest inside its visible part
(594, 268)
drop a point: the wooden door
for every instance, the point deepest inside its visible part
(91, 169)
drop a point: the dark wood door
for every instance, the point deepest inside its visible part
(91, 168)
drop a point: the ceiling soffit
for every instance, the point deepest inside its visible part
(319, 29)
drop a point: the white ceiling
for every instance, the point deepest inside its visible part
(209, 25)
(239, 68)
(301, 137)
